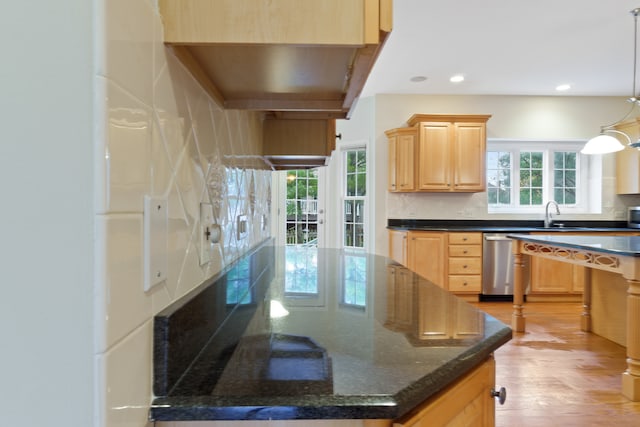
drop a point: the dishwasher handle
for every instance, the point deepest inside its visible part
(497, 238)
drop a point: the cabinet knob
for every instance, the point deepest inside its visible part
(464, 239)
(464, 252)
(500, 394)
(464, 266)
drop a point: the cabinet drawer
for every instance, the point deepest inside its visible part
(465, 283)
(465, 238)
(465, 250)
(465, 265)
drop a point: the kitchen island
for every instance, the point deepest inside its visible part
(619, 255)
(323, 334)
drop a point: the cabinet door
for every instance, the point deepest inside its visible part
(392, 182)
(426, 255)
(469, 152)
(466, 403)
(405, 163)
(398, 246)
(434, 168)
(551, 277)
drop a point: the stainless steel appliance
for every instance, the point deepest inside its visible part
(633, 217)
(497, 268)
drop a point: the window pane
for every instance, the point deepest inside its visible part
(536, 178)
(351, 161)
(525, 197)
(558, 178)
(558, 195)
(558, 160)
(570, 160)
(359, 211)
(525, 178)
(362, 161)
(492, 196)
(536, 196)
(504, 196)
(570, 178)
(348, 235)
(536, 160)
(525, 160)
(492, 160)
(361, 187)
(570, 196)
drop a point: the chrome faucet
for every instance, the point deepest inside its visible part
(547, 215)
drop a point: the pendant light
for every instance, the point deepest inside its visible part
(606, 142)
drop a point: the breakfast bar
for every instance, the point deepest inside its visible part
(619, 255)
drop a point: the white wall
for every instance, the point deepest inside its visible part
(522, 117)
(97, 114)
(47, 221)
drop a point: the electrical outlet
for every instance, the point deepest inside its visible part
(206, 224)
(242, 226)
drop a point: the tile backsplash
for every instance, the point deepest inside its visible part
(159, 134)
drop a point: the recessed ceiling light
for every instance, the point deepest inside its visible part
(417, 79)
(562, 88)
(457, 78)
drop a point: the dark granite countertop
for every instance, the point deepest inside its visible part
(317, 334)
(507, 226)
(619, 245)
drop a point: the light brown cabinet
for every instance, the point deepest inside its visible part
(286, 56)
(426, 255)
(402, 158)
(398, 241)
(467, 403)
(298, 143)
(451, 152)
(465, 263)
(450, 260)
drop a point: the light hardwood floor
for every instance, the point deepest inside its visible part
(557, 375)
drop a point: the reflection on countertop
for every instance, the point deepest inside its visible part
(307, 333)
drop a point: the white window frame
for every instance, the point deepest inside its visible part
(588, 181)
(365, 199)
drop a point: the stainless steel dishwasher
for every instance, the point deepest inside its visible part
(497, 268)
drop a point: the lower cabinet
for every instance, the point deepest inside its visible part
(452, 260)
(468, 402)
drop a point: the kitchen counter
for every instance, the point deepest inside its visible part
(507, 226)
(313, 334)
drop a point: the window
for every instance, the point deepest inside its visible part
(302, 207)
(522, 176)
(355, 191)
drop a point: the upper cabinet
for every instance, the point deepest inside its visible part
(292, 57)
(449, 155)
(628, 161)
(402, 148)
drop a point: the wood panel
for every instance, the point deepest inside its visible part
(273, 22)
(476, 409)
(398, 246)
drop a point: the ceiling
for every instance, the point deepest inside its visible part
(508, 47)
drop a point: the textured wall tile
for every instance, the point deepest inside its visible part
(124, 164)
(128, 36)
(122, 305)
(125, 373)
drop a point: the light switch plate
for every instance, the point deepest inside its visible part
(155, 241)
(242, 226)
